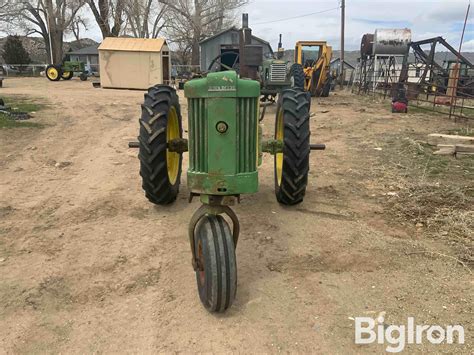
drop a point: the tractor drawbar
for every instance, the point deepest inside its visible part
(317, 146)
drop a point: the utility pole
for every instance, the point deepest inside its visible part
(456, 68)
(341, 60)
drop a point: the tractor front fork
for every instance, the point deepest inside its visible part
(212, 205)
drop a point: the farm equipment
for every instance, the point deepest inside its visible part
(66, 71)
(273, 74)
(225, 148)
(314, 57)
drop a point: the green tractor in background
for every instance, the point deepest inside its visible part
(225, 148)
(276, 75)
(66, 71)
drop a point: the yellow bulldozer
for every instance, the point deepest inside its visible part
(312, 67)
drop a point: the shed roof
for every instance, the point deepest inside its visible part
(132, 44)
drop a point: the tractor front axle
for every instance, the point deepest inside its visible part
(177, 145)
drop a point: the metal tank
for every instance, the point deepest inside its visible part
(366, 45)
(391, 41)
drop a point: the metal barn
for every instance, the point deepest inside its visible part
(227, 41)
(134, 63)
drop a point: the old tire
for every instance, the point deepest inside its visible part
(160, 122)
(292, 127)
(315, 91)
(67, 75)
(216, 276)
(83, 76)
(326, 88)
(297, 76)
(53, 72)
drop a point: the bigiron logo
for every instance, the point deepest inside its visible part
(369, 331)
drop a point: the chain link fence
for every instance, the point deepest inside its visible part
(19, 70)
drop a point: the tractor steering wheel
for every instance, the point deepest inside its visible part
(218, 60)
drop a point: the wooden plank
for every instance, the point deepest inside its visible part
(446, 151)
(437, 138)
(455, 149)
(459, 148)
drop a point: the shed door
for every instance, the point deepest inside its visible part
(166, 68)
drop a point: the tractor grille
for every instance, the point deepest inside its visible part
(278, 72)
(247, 134)
(197, 135)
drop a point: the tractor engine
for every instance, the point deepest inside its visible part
(274, 76)
(223, 134)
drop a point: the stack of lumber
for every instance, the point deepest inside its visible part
(452, 144)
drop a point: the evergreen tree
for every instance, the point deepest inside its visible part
(14, 52)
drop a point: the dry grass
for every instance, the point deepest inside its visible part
(434, 192)
(444, 211)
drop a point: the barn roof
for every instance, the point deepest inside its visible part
(132, 44)
(234, 29)
(90, 50)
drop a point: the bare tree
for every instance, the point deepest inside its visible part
(48, 18)
(190, 21)
(145, 18)
(109, 15)
(76, 25)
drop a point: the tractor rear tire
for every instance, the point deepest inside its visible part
(297, 76)
(326, 88)
(67, 75)
(160, 122)
(216, 276)
(315, 91)
(292, 166)
(53, 72)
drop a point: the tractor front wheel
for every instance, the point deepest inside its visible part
(292, 165)
(216, 275)
(160, 123)
(53, 72)
(67, 75)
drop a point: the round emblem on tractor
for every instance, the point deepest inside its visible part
(221, 127)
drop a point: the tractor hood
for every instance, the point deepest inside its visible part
(222, 84)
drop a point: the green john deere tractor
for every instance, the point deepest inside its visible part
(277, 74)
(225, 148)
(66, 71)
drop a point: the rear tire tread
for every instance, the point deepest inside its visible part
(297, 73)
(152, 145)
(295, 105)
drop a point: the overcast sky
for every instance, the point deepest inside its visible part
(426, 18)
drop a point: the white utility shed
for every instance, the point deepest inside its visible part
(134, 63)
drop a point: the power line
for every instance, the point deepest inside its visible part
(294, 17)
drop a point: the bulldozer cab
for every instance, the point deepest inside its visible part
(307, 53)
(315, 57)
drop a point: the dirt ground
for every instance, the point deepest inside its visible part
(87, 264)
